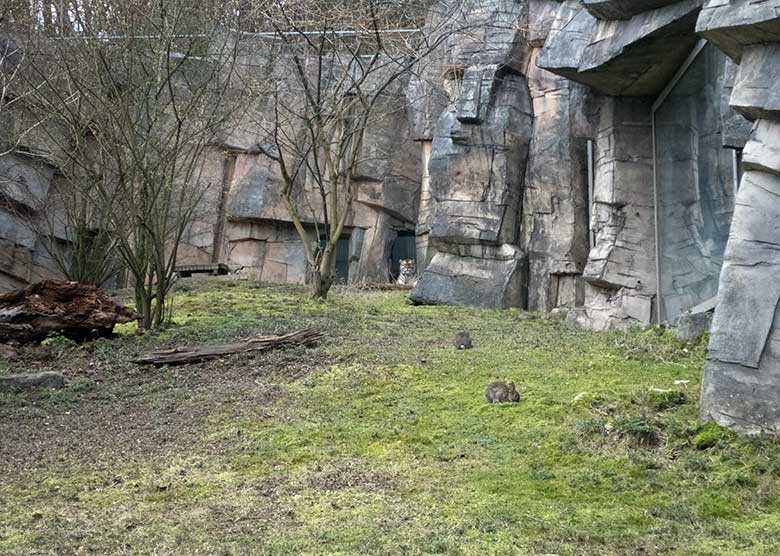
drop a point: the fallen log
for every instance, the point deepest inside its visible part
(196, 354)
(392, 286)
(77, 311)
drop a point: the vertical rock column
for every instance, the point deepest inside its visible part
(742, 377)
(477, 169)
(555, 205)
(477, 162)
(741, 387)
(620, 273)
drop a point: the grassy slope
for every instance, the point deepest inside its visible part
(379, 441)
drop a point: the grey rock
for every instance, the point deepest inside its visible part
(609, 309)
(31, 381)
(742, 375)
(452, 279)
(477, 168)
(620, 269)
(635, 57)
(541, 14)
(622, 9)
(762, 152)
(689, 327)
(7, 352)
(555, 202)
(735, 24)
(559, 313)
(735, 127)
(749, 282)
(756, 94)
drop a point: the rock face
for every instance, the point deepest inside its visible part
(622, 9)
(629, 57)
(742, 376)
(478, 157)
(505, 223)
(555, 201)
(691, 327)
(565, 156)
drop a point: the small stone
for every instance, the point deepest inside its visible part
(8, 352)
(31, 381)
(559, 313)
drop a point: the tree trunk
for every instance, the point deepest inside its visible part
(183, 356)
(322, 278)
(143, 304)
(320, 284)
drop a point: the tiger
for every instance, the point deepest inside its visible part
(407, 275)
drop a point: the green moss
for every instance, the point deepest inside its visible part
(661, 400)
(711, 434)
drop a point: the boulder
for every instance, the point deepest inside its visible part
(475, 281)
(689, 327)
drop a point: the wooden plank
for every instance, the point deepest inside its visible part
(199, 354)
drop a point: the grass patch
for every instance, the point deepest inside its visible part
(379, 441)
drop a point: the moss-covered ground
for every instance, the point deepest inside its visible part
(379, 441)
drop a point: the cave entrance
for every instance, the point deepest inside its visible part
(404, 247)
(695, 185)
(342, 261)
(342, 258)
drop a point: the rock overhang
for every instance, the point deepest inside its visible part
(735, 24)
(622, 9)
(637, 56)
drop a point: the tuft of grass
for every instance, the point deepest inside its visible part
(711, 434)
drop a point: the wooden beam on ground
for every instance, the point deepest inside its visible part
(199, 354)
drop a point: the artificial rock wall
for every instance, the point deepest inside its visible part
(485, 159)
(511, 220)
(742, 376)
(506, 221)
(240, 219)
(479, 134)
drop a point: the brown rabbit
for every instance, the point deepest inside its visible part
(463, 340)
(501, 392)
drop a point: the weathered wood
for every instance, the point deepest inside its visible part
(77, 311)
(391, 286)
(31, 381)
(198, 354)
(215, 269)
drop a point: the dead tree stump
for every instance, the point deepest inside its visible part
(77, 311)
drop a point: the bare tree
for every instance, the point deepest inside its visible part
(343, 61)
(132, 94)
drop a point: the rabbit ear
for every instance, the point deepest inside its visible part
(511, 385)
